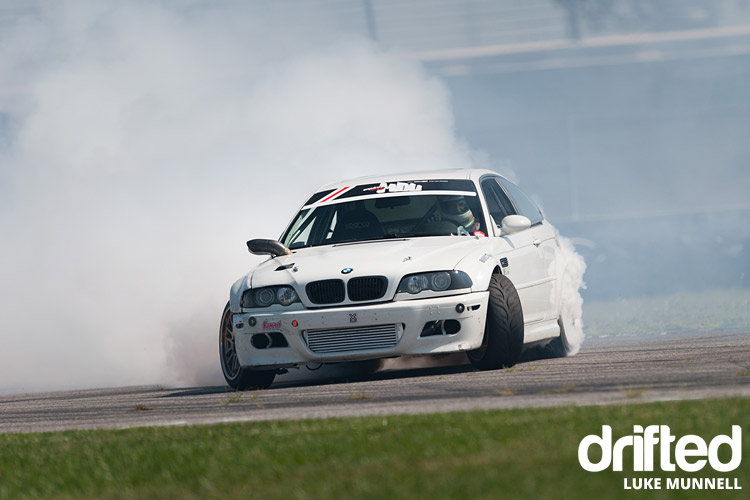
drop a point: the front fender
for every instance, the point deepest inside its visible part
(479, 266)
(235, 293)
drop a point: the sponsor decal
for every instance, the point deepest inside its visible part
(352, 317)
(461, 187)
(690, 453)
(271, 325)
(395, 187)
(484, 258)
(337, 193)
(346, 270)
(479, 234)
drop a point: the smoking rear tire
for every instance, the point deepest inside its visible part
(559, 347)
(238, 378)
(503, 331)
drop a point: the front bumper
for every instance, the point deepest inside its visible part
(408, 319)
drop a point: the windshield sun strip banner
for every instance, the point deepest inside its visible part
(318, 196)
(335, 194)
(454, 186)
(411, 187)
(341, 199)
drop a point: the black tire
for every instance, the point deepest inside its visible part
(503, 331)
(238, 378)
(559, 346)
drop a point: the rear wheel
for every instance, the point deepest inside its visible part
(559, 347)
(237, 377)
(503, 331)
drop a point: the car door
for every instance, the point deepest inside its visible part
(544, 238)
(522, 260)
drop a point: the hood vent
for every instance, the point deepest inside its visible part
(325, 291)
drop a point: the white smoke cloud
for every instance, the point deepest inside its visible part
(148, 142)
(572, 302)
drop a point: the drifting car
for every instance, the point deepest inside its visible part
(408, 264)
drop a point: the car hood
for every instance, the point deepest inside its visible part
(390, 258)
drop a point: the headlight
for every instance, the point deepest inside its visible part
(416, 283)
(437, 281)
(286, 295)
(440, 281)
(264, 297)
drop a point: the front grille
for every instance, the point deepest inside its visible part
(353, 339)
(325, 291)
(367, 288)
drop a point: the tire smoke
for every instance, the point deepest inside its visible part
(146, 142)
(143, 143)
(572, 302)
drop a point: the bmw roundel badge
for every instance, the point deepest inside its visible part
(346, 270)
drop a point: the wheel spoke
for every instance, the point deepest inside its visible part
(228, 348)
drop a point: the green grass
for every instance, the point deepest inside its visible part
(528, 453)
(717, 309)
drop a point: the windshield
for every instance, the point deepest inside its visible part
(386, 216)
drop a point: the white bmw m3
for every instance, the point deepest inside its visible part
(408, 264)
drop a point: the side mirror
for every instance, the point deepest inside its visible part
(515, 223)
(267, 247)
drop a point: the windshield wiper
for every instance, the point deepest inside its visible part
(389, 236)
(411, 235)
(357, 242)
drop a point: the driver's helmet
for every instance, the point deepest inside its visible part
(455, 208)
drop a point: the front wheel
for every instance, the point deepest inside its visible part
(503, 331)
(238, 378)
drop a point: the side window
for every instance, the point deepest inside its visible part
(523, 203)
(497, 202)
(299, 233)
(312, 226)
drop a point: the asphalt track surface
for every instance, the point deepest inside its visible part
(663, 367)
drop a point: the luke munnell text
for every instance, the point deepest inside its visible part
(682, 483)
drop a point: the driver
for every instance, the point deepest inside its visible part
(455, 208)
